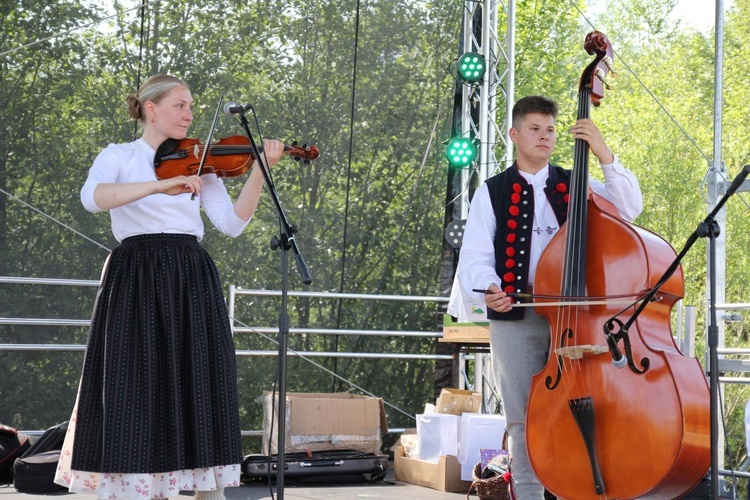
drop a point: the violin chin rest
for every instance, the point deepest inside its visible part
(165, 148)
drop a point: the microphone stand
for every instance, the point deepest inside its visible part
(285, 242)
(710, 229)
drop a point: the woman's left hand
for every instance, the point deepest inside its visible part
(272, 152)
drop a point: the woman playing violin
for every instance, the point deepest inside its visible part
(157, 408)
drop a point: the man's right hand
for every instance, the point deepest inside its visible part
(498, 300)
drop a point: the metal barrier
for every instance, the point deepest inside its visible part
(735, 365)
(685, 319)
(233, 293)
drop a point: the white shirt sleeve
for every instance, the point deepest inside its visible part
(105, 169)
(219, 207)
(621, 188)
(476, 265)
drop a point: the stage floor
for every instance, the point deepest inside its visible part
(388, 489)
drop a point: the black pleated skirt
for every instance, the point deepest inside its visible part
(159, 387)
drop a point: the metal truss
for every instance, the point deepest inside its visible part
(481, 101)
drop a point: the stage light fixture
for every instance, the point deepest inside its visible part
(461, 152)
(471, 67)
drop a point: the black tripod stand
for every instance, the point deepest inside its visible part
(284, 242)
(710, 229)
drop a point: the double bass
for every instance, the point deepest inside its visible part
(639, 428)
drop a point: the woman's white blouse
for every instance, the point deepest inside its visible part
(157, 213)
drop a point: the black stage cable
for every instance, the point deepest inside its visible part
(348, 189)
(140, 61)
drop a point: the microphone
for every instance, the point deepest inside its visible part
(232, 108)
(617, 358)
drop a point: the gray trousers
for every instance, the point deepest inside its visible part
(519, 351)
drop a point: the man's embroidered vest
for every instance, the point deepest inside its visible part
(513, 203)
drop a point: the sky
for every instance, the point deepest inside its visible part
(699, 14)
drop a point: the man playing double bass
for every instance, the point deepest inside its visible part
(513, 217)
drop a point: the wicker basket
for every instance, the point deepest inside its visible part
(494, 488)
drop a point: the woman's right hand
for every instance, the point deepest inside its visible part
(180, 184)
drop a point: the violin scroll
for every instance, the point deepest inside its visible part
(304, 152)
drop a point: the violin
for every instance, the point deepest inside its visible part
(229, 157)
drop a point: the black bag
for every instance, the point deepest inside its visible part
(12, 446)
(34, 471)
(51, 440)
(329, 466)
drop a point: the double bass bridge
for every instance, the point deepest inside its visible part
(577, 351)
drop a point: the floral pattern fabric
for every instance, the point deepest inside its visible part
(158, 485)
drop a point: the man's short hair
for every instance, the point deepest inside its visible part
(533, 104)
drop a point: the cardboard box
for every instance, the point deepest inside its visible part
(318, 421)
(458, 401)
(443, 476)
(465, 332)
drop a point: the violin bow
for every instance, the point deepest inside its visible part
(209, 139)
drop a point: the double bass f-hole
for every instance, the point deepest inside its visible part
(549, 382)
(622, 335)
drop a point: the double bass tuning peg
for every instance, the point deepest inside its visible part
(608, 63)
(600, 77)
(600, 72)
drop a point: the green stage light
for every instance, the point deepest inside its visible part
(471, 67)
(461, 152)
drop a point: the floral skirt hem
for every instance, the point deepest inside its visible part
(161, 485)
(130, 485)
